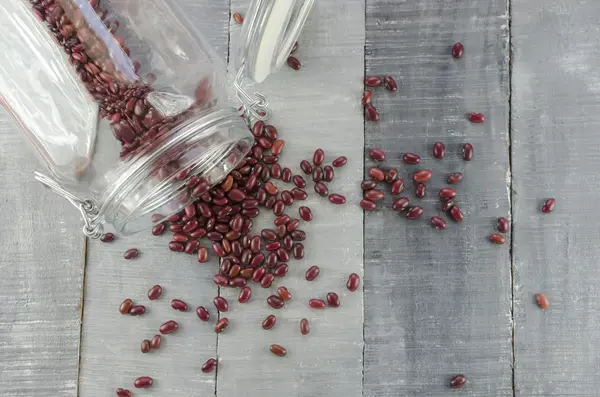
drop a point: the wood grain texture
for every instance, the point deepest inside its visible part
(438, 303)
(110, 354)
(316, 106)
(555, 154)
(41, 268)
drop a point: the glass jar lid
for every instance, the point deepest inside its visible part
(271, 27)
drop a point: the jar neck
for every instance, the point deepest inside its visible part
(154, 183)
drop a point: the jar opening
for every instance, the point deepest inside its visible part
(155, 183)
(270, 30)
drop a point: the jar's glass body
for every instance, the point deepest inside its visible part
(122, 100)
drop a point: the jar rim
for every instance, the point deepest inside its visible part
(132, 219)
(270, 29)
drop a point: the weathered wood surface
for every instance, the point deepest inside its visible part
(41, 268)
(317, 106)
(438, 303)
(555, 154)
(110, 346)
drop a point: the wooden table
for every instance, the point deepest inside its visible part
(434, 303)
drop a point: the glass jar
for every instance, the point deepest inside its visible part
(126, 104)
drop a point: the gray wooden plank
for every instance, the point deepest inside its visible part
(438, 303)
(41, 269)
(554, 150)
(316, 106)
(110, 353)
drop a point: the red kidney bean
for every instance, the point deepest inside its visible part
(438, 223)
(318, 157)
(298, 252)
(457, 50)
(312, 273)
(549, 206)
(299, 194)
(353, 282)
(467, 152)
(411, 158)
(239, 20)
(258, 274)
(391, 175)
(298, 235)
(439, 150)
(377, 154)
(286, 175)
(237, 282)
(275, 169)
(278, 350)
(306, 167)
(321, 189)
(333, 300)
(247, 273)
(176, 246)
(284, 293)
(202, 313)
(305, 213)
(245, 295)
(373, 81)
(294, 47)
(269, 235)
(422, 176)
(137, 310)
(107, 238)
(176, 227)
(299, 181)
(269, 322)
(377, 174)
(178, 304)
(287, 198)
(281, 270)
(221, 304)
(155, 292)
(328, 173)
(277, 147)
(225, 266)
(282, 220)
(339, 162)
(158, 229)
(123, 393)
(221, 325)
(337, 199)
(454, 178)
(169, 327)
(198, 233)
(476, 118)
(390, 83)
(294, 63)
(143, 382)
(401, 203)
(191, 247)
(542, 301)
(267, 280)
(236, 195)
(374, 195)
(271, 260)
(317, 303)
(255, 244)
(131, 253)
(145, 348)
(456, 213)
(447, 193)
(398, 186)
(371, 113)
(275, 302)
(180, 237)
(367, 97)
(414, 213)
(274, 246)
(209, 366)
(317, 174)
(218, 249)
(368, 205)
(458, 381)
(155, 342)
(271, 202)
(368, 184)
(503, 225)
(214, 236)
(304, 327)
(202, 254)
(271, 189)
(271, 132)
(420, 190)
(292, 225)
(264, 142)
(125, 306)
(448, 204)
(497, 239)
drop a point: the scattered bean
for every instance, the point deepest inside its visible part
(145, 346)
(497, 239)
(333, 299)
(107, 238)
(420, 190)
(353, 282)
(458, 381)
(467, 152)
(131, 253)
(390, 83)
(549, 206)
(373, 81)
(275, 302)
(503, 225)
(278, 350)
(143, 382)
(156, 341)
(377, 154)
(169, 327)
(137, 310)
(125, 306)
(337, 199)
(312, 273)
(454, 178)
(414, 213)
(304, 327)
(438, 223)
(221, 325)
(422, 176)
(238, 18)
(339, 162)
(456, 213)
(542, 301)
(439, 150)
(294, 63)
(284, 293)
(317, 303)
(401, 203)
(221, 304)
(269, 322)
(476, 117)
(178, 304)
(411, 158)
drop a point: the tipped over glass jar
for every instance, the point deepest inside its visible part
(126, 104)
